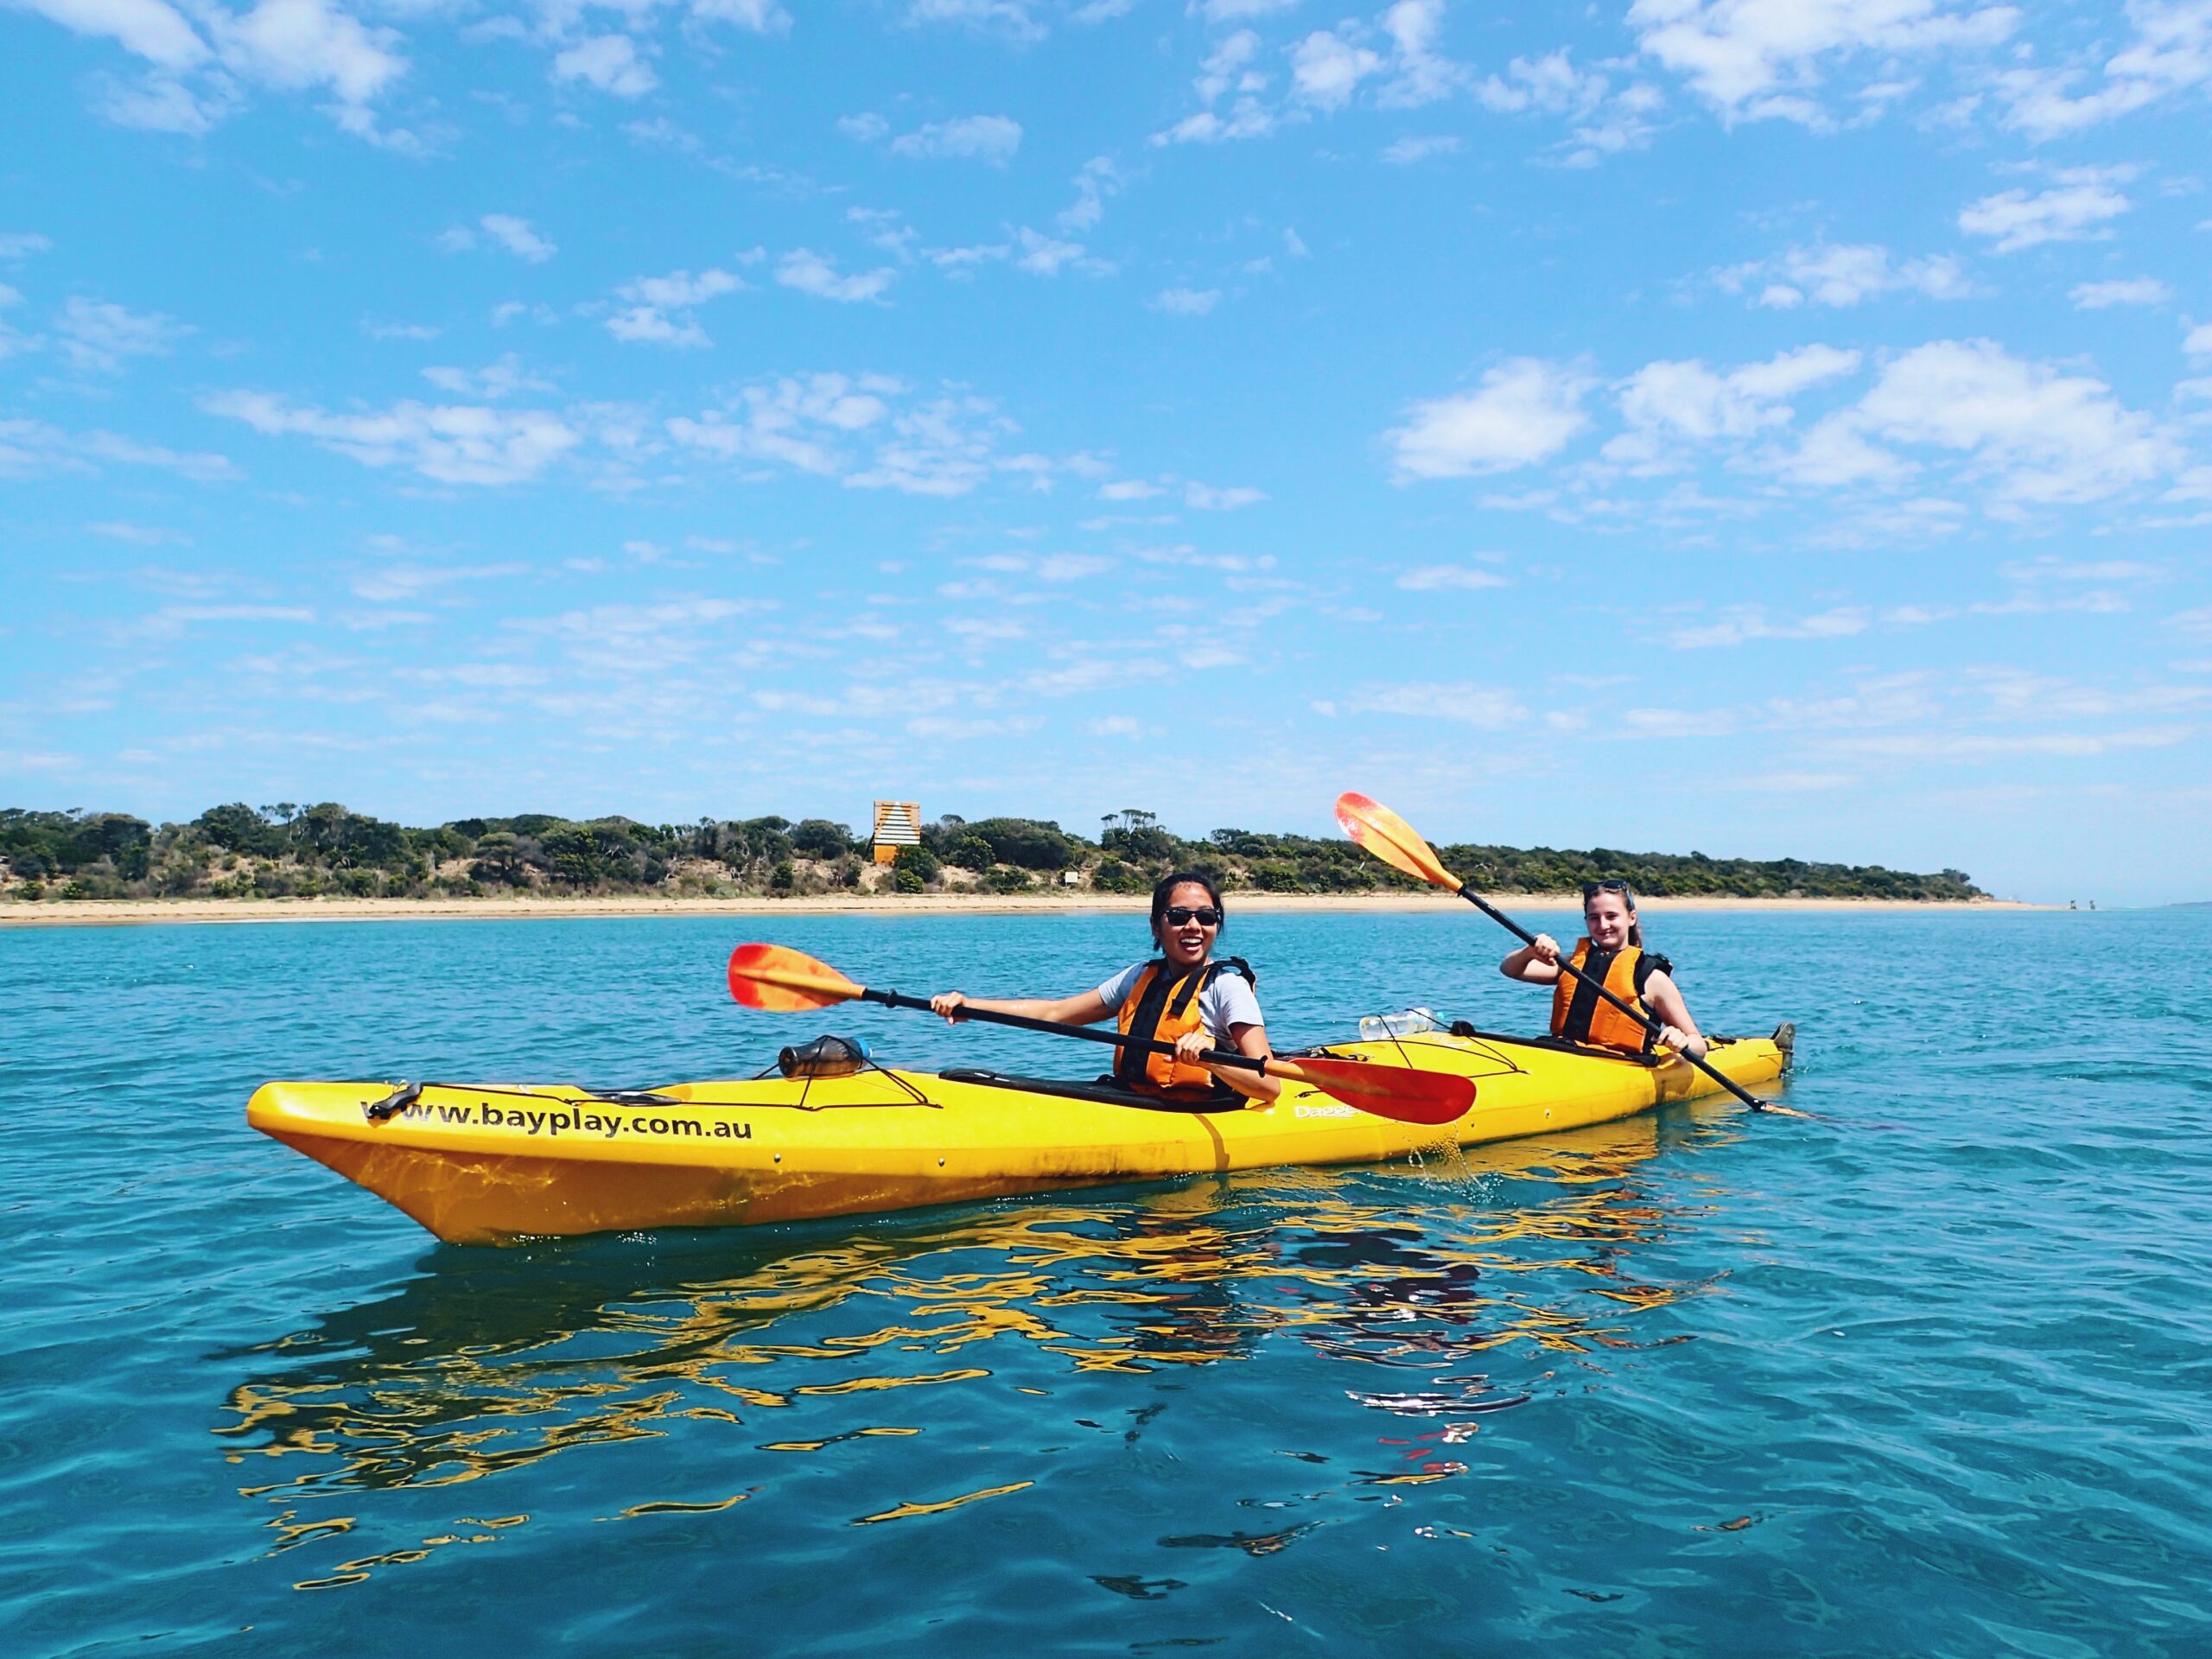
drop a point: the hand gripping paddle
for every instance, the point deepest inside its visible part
(780, 980)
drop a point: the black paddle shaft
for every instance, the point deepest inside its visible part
(1054, 1028)
(1568, 968)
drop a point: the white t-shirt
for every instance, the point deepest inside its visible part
(1227, 1001)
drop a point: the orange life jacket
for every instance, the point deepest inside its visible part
(1579, 1015)
(1161, 1006)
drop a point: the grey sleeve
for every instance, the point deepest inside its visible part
(1229, 1001)
(1115, 991)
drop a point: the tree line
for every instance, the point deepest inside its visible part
(287, 850)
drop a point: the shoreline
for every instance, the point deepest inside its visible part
(140, 912)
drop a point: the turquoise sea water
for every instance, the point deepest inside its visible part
(1925, 1374)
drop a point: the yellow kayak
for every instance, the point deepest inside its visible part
(480, 1163)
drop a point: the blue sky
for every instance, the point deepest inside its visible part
(1772, 427)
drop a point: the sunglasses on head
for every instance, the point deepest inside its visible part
(1182, 915)
(1591, 889)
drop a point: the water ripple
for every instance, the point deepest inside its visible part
(1924, 1374)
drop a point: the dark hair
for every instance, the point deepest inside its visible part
(1167, 884)
(1591, 889)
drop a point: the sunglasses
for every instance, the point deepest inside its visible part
(1182, 915)
(1591, 889)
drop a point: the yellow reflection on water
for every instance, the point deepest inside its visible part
(486, 1365)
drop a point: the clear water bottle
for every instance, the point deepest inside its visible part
(1407, 1022)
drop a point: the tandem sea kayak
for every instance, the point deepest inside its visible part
(488, 1164)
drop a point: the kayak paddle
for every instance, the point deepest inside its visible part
(778, 980)
(1394, 841)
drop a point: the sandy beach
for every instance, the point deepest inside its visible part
(125, 913)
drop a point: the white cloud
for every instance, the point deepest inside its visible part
(2061, 744)
(1740, 623)
(1842, 275)
(517, 237)
(942, 446)
(494, 381)
(1418, 74)
(1551, 84)
(98, 336)
(1128, 489)
(161, 103)
(2129, 290)
(1760, 58)
(377, 330)
(1043, 257)
(647, 321)
(760, 16)
(643, 325)
(1525, 411)
(302, 44)
(1325, 70)
(392, 582)
(1097, 180)
(2042, 436)
(291, 45)
(17, 245)
(1445, 578)
(610, 62)
(864, 128)
(1406, 151)
(991, 139)
(2076, 210)
(1010, 18)
(33, 448)
(680, 288)
(454, 444)
(1188, 302)
(1228, 67)
(148, 28)
(2198, 342)
(1678, 722)
(1206, 499)
(1487, 708)
(1687, 400)
(138, 535)
(796, 422)
(2171, 52)
(809, 273)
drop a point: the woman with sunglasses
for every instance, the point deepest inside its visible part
(1612, 954)
(1185, 997)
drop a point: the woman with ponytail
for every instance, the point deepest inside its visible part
(1611, 953)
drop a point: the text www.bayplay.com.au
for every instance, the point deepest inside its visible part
(554, 1121)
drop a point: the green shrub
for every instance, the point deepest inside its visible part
(907, 881)
(1031, 843)
(970, 853)
(1114, 876)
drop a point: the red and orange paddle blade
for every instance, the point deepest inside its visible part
(780, 980)
(1395, 1091)
(1391, 839)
